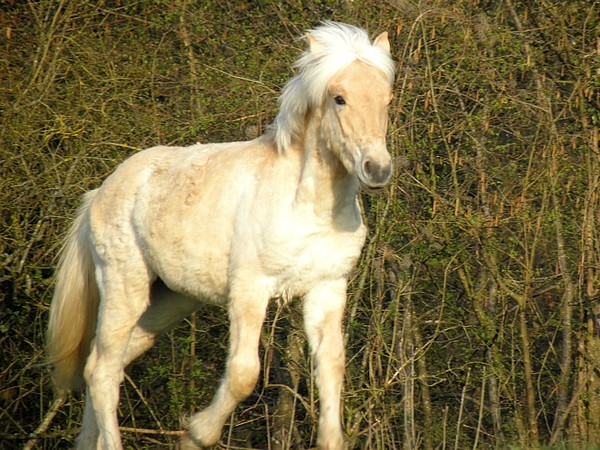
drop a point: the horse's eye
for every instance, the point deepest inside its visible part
(339, 100)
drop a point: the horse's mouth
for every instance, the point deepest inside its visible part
(372, 189)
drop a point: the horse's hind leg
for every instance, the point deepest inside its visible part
(166, 309)
(247, 313)
(89, 437)
(124, 297)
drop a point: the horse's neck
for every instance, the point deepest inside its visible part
(325, 187)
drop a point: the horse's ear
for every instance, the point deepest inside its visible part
(382, 41)
(313, 44)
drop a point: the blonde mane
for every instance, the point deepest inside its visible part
(334, 46)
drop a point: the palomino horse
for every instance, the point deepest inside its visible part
(235, 224)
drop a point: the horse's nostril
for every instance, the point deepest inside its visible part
(367, 168)
(375, 174)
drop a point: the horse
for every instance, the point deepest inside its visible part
(235, 224)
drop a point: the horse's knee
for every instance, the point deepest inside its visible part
(103, 376)
(90, 364)
(242, 377)
(335, 442)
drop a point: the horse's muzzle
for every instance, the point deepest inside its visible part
(375, 171)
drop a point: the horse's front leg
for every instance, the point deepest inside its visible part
(323, 312)
(247, 314)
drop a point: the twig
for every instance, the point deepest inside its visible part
(144, 401)
(150, 431)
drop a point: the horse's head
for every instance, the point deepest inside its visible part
(355, 122)
(354, 99)
(348, 80)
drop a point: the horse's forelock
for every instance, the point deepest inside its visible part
(334, 46)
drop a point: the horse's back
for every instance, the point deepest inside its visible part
(180, 206)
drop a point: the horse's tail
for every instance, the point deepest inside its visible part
(74, 308)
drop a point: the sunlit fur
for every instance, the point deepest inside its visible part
(236, 224)
(338, 46)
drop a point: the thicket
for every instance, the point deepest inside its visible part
(474, 315)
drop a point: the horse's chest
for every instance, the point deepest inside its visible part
(305, 260)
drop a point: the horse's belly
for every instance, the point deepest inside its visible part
(191, 258)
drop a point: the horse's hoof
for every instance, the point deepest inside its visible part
(185, 442)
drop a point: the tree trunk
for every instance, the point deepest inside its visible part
(566, 356)
(591, 296)
(406, 357)
(287, 374)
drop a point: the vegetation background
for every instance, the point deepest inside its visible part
(474, 315)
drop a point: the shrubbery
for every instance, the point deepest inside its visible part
(473, 315)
